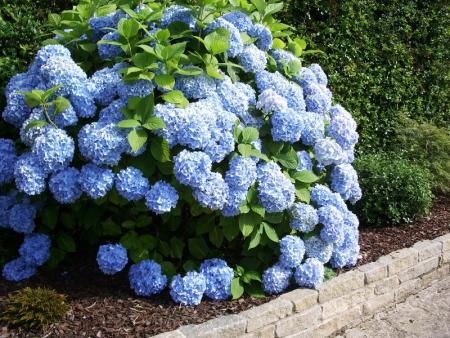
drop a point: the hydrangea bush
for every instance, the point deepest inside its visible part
(188, 143)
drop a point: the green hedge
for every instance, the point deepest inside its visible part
(384, 59)
(22, 30)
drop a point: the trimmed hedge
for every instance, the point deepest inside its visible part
(384, 59)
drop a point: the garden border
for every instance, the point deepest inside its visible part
(337, 303)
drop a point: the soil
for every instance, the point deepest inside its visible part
(105, 307)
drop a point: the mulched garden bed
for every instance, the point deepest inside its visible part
(106, 307)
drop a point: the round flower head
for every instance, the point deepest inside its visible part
(213, 194)
(6, 203)
(276, 279)
(240, 20)
(304, 161)
(321, 77)
(310, 274)
(146, 278)
(101, 24)
(317, 248)
(112, 258)
(188, 290)
(131, 184)
(64, 185)
(112, 113)
(346, 253)
(235, 43)
(28, 135)
(9, 158)
(234, 201)
(263, 35)
(83, 103)
(48, 52)
(102, 143)
(140, 88)
(16, 110)
(218, 276)
(313, 128)
(343, 129)
(241, 174)
(96, 181)
(54, 149)
(233, 98)
(192, 168)
(333, 224)
(343, 178)
(21, 218)
(221, 144)
(327, 152)
(304, 217)
(161, 198)
(35, 249)
(18, 270)
(321, 195)
(286, 126)
(195, 87)
(252, 59)
(269, 101)
(109, 51)
(292, 251)
(103, 85)
(177, 13)
(29, 174)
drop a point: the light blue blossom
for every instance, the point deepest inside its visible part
(146, 278)
(35, 249)
(213, 193)
(333, 224)
(235, 44)
(286, 126)
(161, 198)
(241, 173)
(304, 161)
(240, 20)
(328, 152)
(252, 59)
(188, 290)
(16, 110)
(269, 101)
(347, 253)
(321, 77)
(140, 88)
(343, 178)
(304, 217)
(131, 184)
(109, 51)
(192, 168)
(103, 85)
(64, 186)
(177, 13)
(96, 181)
(112, 113)
(292, 251)
(315, 247)
(101, 24)
(18, 270)
(313, 128)
(276, 279)
(263, 35)
(342, 128)
(310, 274)
(8, 160)
(218, 276)
(21, 218)
(234, 201)
(195, 87)
(112, 258)
(29, 175)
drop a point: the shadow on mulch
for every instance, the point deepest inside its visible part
(105, 306)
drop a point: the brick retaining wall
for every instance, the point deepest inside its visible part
(338, 302)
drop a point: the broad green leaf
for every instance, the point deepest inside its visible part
(247, 222)
(237, 290)
(254, 240)
(110, 228)
(217, 41)
(50, 216)
(252, 275)
(190, 71)
(33, 98)
(142, 60)
(130, 240)
(198, 247)
(176, 97)
(245, 149)
(165, 80)
(305, 176)
(138, 254)
(270, 232)
(154, 123)
(172, 51)
(294, 66)
(163, 35)
(213, 71)
(329, 273)
(61, 104)
(278, 44)
(249, 135)
(258, 209)
(137, 139)
(216, 236)
(231, 230)
(148, 242)
(259, 4)
(128, 28)
(66, 243)
(105, 10)
(160, 149)
(128, 224)
(128, 124)
(303, 194)
(274, 218)
(273, 8)
(289, 159)
(177, 246)
(37, 124)
(168, 269)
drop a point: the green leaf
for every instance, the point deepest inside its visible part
(168, 269)
(329, 273)
(163, 35)
(216, 236)
(128, 224)
(148, 242)
(33, 98)
(245, 149)
(160, 149)
(305, 176)
(289, 159)
(274, 218)
(213, 71)
(110, 228)
(278, 44)
(50, 92)
(66, 243)
(198, 247)
(176, 97)
(128, 28)
(138, 254)
(249, 135)
(254, 240)
(259, 4)
(142, 60)
(270, 232)
(294, 67)
(231, 230)
(154, 123)
(177, 246)
(303, 194)
(145, 107)
(50, 216)
(237, 290)
(130, 240)
(36, 124)
(217, 41)
(172, 51)
(273, 8)
(190, 71)
(255, 290)
(251, 275)
(165, 80)
(247, 222)
(61, 104)
(137, 139)
(128, 124)
(106, 9)
(258, 209)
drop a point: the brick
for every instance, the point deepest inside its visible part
(445, 240)
(265, 332)
(419, 269)
(374, 271)
(428, 249)
(400, 260)
(341, 285)
(302, 298)
(221, 327)
(267, 313)
(349, 316)
(446, 257)
(171, 334)
(408, 288)
(298, 322)
(434, 275)
(374, 304)
(386, 285)
(340, 305)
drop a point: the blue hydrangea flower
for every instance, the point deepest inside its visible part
(64, 186)
(333, 224)
(235, 44)
(233, 98)
(234, 201)
(221, 144)
(146, 278)
(108, 51)
(321, 77)
(354, 194)
(35, 249)
(321, 195)
(68, 117)
(103, 85)
(304, 217)
(131, 184)
(343, 178)
(241, 173)
(263, 35)
(112, 258)
(286, 126)
(276, 279)
(29, 175)
(269, 101)
(83, 103)
(102, 143)
(218, 276)
(315, 247)
(96, 181)
(347, 253)
(6, 203)
(161, 198)
(304, 161)
(343, 128)
(188, 290)
(54, 149)
(195, 87)
(240, 20)
(101, 24)
(328, 152)
(292, 251)
(112, 113)
(21, 218)
(310, 274)
(20, 82)
(248, 91)
(16, 110)
(48, 52)
(313, 128)
(140, 88)
(319, 102)
(177, 13)
(213, 193)
(192, 168)
(252, 59)
(284, 58)
(18, 270)
(9, 158)
(276, 193)
(306, 77)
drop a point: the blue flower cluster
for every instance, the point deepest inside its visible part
(131, 184)
(161, 198)
(146, 278)
(112, 258)
(218, 276)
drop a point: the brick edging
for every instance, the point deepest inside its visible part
(337, 302)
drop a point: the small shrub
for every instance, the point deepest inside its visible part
(34, 308)
(427, 146)
(394, 190)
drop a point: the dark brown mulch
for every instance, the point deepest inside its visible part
(105, 307)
